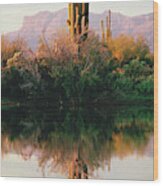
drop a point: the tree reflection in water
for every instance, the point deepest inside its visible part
(76, 142)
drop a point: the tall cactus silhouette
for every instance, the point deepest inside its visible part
(108, 27)
(102, 31)
(106, 35)
(78, 20)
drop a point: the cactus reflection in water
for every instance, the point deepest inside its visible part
(76, 143)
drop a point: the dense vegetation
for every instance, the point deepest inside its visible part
(121, 70)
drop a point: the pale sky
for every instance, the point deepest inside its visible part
(11, 16)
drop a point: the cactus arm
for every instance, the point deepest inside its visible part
(78, 19)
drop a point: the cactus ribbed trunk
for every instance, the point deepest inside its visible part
(78, 19)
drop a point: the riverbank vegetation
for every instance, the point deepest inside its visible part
(58, 72)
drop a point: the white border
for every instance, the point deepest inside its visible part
(53, 1)
(56, 182)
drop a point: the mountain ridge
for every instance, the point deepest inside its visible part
(51, 22)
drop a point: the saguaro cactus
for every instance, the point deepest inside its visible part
(103, 31)
(106, 35)
(78, 19)
(108, 27)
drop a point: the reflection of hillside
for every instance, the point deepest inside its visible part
(74, 142)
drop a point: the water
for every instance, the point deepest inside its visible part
(94, 143)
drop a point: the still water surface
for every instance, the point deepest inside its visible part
(93, 143)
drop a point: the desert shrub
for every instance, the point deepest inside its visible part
(146, 86)
(137, 70)
(126, 48)
(65, 71)
(9, 48)
(59, 49)
(19, 84)
(10, 83)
